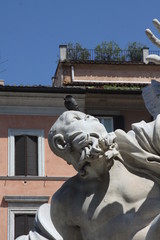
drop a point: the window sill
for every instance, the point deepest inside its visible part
(26, 199)
(33, 178)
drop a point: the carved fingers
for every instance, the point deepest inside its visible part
(153, 57)
(152, 37)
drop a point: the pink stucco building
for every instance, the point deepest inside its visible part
(29, 172)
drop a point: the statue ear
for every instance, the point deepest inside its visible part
(59, 146)
(59, 142)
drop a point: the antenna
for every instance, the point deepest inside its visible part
(1, 71)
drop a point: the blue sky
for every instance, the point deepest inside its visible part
(32, 30)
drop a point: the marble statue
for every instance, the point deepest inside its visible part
(151, 97)
(153, 57)
(151, 93)
(115, 194)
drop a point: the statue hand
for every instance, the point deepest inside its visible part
(153, 57)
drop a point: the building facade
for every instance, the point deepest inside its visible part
(29, 172)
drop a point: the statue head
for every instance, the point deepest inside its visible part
(81, 140)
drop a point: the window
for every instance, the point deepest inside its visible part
(20, 221)
(118, 122)
(23, 224)
(25, 152)
(21, 213)
(112, 123)
(107, 122)
(26, 155)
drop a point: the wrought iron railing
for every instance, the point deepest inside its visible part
(115, 55)
(154, 52)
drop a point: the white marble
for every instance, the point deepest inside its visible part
(151, 97)
(153, 57)
(115, 194)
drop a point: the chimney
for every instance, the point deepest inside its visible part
(63, 52)
(145, 54)
(1, 82)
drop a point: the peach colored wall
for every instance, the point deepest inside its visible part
(117, 70)
(54, 166)
(112, 72)
(3, 221)
(28, 188)
(31, 122)
(21, 188)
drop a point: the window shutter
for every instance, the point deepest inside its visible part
(23, 224)
(26, 155)
(19, 155)
(30, 222)
(32, 155)
(19, 225)
(118, 122)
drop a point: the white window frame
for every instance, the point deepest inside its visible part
(101, 119)
(11, 218)
(11, 148)
(22, 205)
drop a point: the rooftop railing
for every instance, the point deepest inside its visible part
(113, 55)
(154, 52)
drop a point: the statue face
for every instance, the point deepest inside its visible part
(83, 134)
(80, 122)
(82, 141)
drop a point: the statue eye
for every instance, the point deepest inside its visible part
(95, 135)
(77, 118)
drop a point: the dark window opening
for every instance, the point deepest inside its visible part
(26, 155)
(23, 224)
(118, 122)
